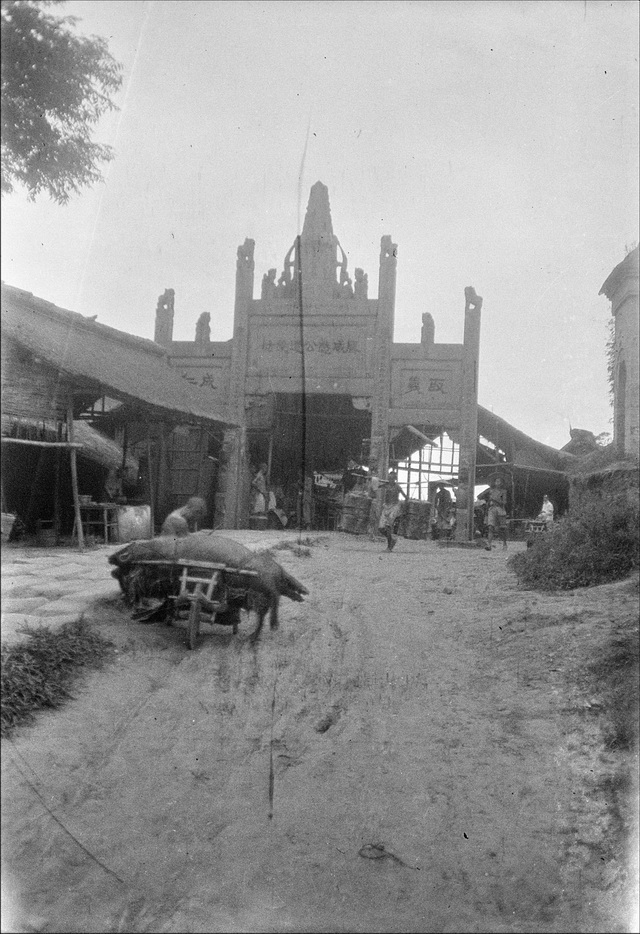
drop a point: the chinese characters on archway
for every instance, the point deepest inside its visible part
(204, 380)
(321, 345)
(425, 384)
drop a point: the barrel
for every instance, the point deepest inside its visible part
(134, 522)
(354, 517)
(416, 519)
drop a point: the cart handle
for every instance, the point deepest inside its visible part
(207, 565)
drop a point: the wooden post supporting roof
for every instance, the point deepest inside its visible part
(74, 475)
(56, 495)
(151, 483)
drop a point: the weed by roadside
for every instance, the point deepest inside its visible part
(299, 548)
(39, 671)
(616, 675)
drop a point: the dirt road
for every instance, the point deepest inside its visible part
(411, 751)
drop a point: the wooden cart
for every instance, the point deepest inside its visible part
(205, 588)
(534, 528)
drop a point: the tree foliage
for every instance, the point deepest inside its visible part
(611, 357)
(55, 86)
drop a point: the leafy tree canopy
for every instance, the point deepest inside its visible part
(55, 86)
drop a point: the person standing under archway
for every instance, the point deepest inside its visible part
(496, 497)
(259, 488)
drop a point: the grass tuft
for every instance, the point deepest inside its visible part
(616, 674)
(299, 548)
(40, 671)
(291, 545)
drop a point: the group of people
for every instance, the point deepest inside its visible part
(384, 496)
(384, 508)
(495, 499)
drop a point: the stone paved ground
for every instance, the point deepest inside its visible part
(52, 586)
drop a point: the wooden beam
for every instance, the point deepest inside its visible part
(56, 495)
(43, 444)
(151, 484)
(420, 435)
(162, 495)
(270, 458)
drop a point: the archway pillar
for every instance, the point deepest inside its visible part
(231, 505)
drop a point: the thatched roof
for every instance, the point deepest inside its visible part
(95, 446)
(102, 360)
(98, 447)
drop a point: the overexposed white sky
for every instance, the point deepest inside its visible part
(496, 141)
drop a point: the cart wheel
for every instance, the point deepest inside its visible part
(194, 623)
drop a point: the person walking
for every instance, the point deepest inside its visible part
(496, 497)
(390, 508)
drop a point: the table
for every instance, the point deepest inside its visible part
(100, 519)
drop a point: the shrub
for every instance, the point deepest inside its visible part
(598, 543)
(39, 671)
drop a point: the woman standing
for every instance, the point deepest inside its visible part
(259, 487)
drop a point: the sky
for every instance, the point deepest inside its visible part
(496, 142)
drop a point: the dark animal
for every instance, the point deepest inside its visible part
(272, 583)
(139, 582)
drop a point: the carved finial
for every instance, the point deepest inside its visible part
(203, 329)
(388, 250)
(361, 285)
(164, 318)
(286, 280)
(345, 287)
(245, 252)
(166, 301)
(269, 283)
(428, 330)
(473, 302)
